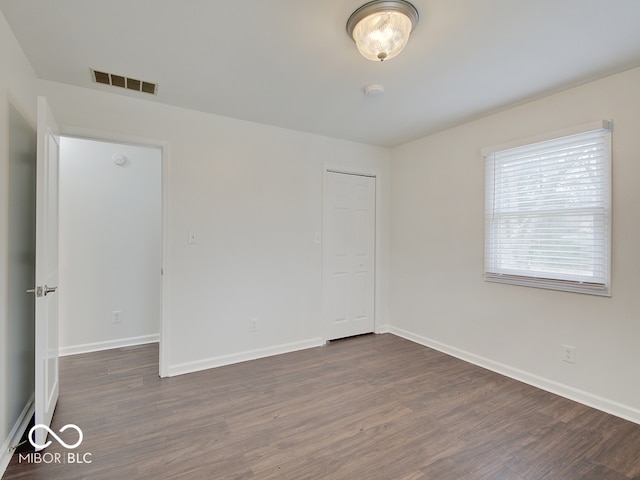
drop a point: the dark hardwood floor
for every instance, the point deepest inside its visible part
(371, 407)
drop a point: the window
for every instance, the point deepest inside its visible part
(548, 213)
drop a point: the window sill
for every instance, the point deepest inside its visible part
(598, 289)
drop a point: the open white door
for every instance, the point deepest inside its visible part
(46, 298)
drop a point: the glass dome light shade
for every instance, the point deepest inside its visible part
(382, 36)
(381, 28)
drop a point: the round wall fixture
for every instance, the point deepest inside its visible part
(119, 159)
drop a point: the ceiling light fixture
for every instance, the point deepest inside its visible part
(381, 28)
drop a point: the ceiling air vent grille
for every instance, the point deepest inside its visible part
(124, 82)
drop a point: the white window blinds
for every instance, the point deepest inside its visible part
(547, 213)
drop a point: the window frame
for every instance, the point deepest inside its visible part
(546, 279)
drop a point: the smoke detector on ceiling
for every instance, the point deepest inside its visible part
(373, 90)
(119, 159)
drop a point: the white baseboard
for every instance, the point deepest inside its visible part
(109, 344)
(15, 435)
(213, 362)
(606, 405)
(383, 329)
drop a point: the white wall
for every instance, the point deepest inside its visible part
(110, 245)
(438, 295)
(17, 250)
(253, 195)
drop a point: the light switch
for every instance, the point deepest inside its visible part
(193, 238)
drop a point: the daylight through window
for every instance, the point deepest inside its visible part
(547, 213)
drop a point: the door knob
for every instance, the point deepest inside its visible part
(37, 291)
(48, 290)
(42, 291)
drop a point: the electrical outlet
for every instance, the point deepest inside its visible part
(253, 325)
(568, 354)
(117, 316)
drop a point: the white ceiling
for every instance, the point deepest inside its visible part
(290, 63)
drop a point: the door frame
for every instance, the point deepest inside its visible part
(377, 270)
(102, 136)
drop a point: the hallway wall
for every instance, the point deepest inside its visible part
(110, 245)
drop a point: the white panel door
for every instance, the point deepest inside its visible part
(46, 341)
(349, 254)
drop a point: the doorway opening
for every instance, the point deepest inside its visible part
(110, 251)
